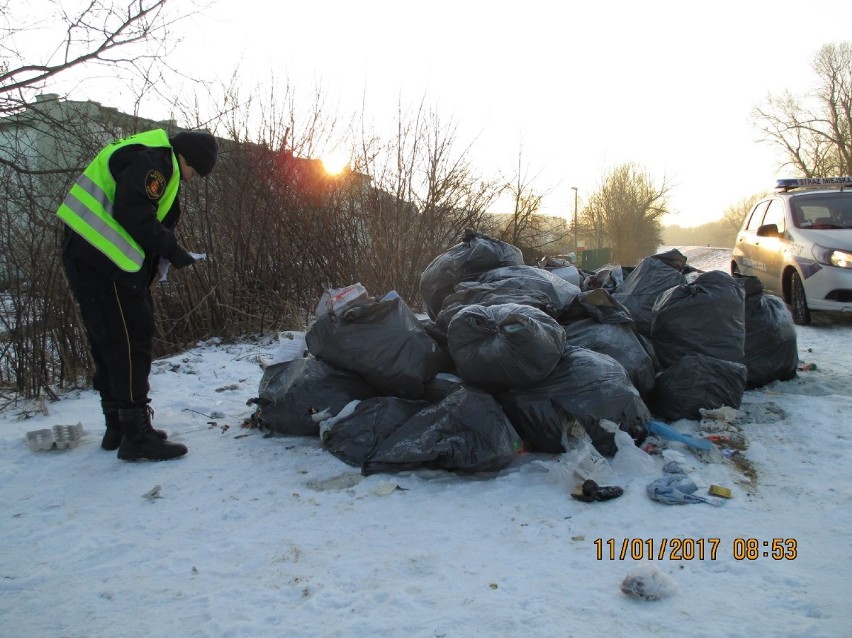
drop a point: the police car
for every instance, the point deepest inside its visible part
(798, 242)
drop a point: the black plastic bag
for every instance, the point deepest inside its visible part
(673, 258)
(644, 283)
(355, 437)
(494, 293)
(771, 347)
(504, 346)
(585, 385)
(622, 343)
(293, 392)
(384, 342)
(697, 381)
(466, 432)
(438, 334)
(562, 268)
(599, 304)
(706, 316)
(476, 254)
(560, 292)
(442, 386)
(608, 278)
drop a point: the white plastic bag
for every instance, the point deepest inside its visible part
(337, 300)
(582, 459)
(291, 345)
(629, 460)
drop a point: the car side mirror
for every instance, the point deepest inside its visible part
(768, 230)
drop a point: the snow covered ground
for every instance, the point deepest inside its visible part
(704, 257)
(273, 536)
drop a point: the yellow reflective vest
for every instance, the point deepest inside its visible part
(88, 207)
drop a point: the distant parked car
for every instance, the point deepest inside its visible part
(798, 242)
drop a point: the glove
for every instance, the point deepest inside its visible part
(181, 259)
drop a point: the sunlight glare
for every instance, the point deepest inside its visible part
(335, 163)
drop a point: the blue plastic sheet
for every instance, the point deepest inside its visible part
(667, 432)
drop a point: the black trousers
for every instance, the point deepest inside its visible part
(119, 323)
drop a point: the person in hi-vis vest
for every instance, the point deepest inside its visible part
(119, 218)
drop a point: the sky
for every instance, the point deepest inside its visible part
(576, 88)
(251, 535)
(573, 89)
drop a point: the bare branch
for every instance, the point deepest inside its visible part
(814, 134)
(128, 34)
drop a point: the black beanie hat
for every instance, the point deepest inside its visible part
(199, 149)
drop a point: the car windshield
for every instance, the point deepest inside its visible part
(822, 210)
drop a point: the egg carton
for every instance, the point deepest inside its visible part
(60, 437)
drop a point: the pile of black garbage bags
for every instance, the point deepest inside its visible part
(511, 354)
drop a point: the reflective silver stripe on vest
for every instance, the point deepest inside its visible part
(85, 182)
(103, 229)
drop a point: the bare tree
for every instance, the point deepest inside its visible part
(525, 227)
(265, 217)
(628, 206)
(734, 214)
(721, 233)
(123, 36)
(280, 230)
(424, 193)
(40, 153)
(277, 229)
(814, 133)
(526, 203)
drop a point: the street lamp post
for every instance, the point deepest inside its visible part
(574, 188)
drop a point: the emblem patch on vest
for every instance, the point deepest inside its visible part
(155, 183)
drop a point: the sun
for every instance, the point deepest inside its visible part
(335, 163)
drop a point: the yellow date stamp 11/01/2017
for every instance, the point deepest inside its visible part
(694, 548)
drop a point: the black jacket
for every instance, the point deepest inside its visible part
(136, 210)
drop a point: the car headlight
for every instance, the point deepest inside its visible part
(832, 257)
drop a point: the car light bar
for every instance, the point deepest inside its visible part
(814, 181)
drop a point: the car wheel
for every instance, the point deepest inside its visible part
(798, 304)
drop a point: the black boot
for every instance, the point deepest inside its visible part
(113, 434)
(141, 440)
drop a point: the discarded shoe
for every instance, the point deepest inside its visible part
(589, 491)
(608, 492)
(585, 491)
